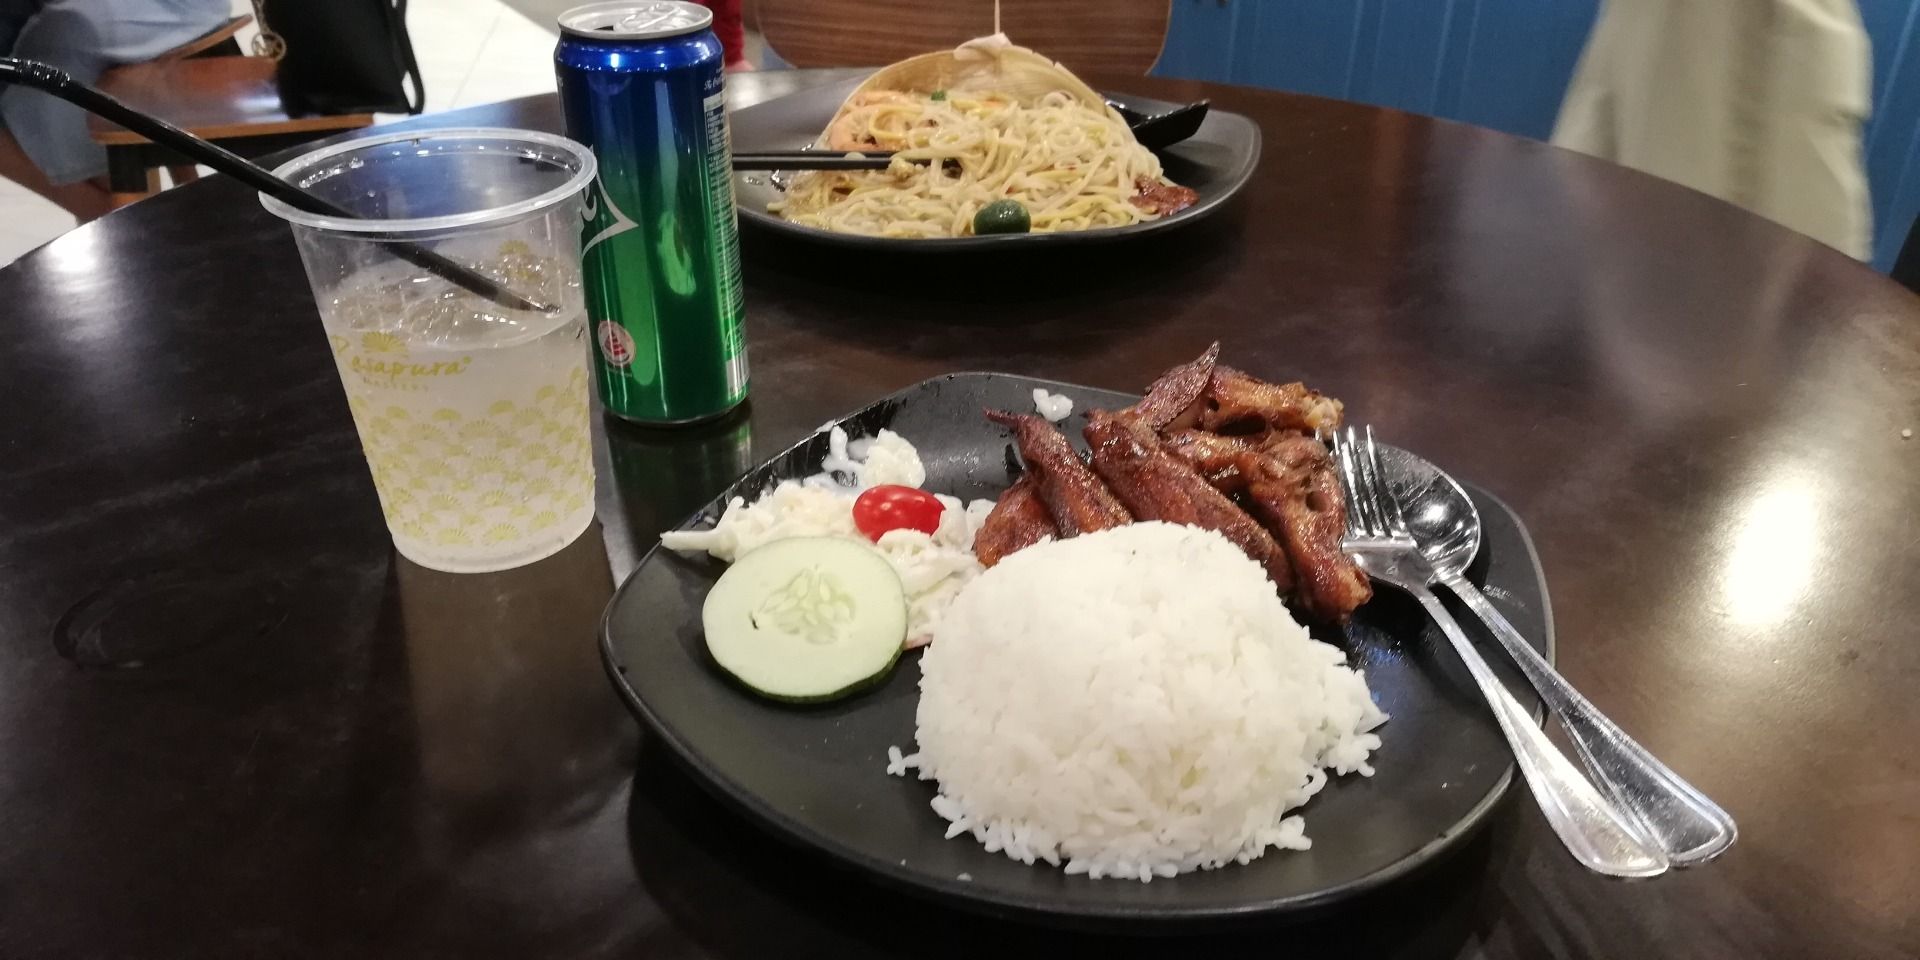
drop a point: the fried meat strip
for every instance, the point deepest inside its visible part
(1018, 521)
(1292, 487)
(1237, 402)
(1216, 457)
(1175, 391)
(1156, 485)
(1076, 498)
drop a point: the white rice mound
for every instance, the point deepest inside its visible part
(1134, 703)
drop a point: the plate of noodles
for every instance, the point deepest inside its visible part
(993, 144)
(1113, 723)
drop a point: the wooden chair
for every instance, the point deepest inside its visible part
(206, 88)
(1111, 36)
(220, 41)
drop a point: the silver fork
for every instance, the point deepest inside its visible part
(1598, 833)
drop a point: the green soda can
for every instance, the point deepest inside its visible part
(641, 85)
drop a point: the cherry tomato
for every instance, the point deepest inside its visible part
(890, 506)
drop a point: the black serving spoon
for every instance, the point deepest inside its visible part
(1155, 131)
(1166, 128)
(53, 80)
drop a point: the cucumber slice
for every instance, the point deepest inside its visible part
(807, 619)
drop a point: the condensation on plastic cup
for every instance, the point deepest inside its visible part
(473, 417)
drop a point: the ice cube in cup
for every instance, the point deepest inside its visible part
(473, 416)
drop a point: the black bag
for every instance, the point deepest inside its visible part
(343, 56)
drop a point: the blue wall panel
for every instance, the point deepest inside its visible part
(1893, 135)
(1199, 41)
(1516, 61)
(1407, 66)
(1503, 64)
(1499, 63)
(1304, 42)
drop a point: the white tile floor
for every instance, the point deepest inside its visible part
(470, 52)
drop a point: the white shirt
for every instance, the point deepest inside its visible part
(1759, 102)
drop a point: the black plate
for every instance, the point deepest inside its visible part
(818, 775)
(1216, 162)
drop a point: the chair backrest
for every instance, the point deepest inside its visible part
(1113, 36)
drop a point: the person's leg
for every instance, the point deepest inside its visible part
(44, 144)
(85, 199)
(47, 149)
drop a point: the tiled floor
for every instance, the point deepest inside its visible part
(470, 52)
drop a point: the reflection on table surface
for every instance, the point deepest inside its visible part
(511, 717)
(651, 478)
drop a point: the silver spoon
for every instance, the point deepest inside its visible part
(1691, 828)
(1600, 834)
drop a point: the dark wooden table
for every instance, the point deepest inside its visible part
(233, 724)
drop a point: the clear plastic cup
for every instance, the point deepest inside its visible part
(473, 416)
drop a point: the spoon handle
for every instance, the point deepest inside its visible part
(1597, 833)
(1689, 827)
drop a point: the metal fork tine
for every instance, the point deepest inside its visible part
(1369, 494)
(1356, 517)
(1332, 439)
(1378, 496)
(1377, 493)
(1394, 521)
(1359, 518)
(1370, 485)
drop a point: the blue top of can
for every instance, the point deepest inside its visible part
(635, 19)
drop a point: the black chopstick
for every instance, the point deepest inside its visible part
(1155, 131)
(55, 81)
(811, 160)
